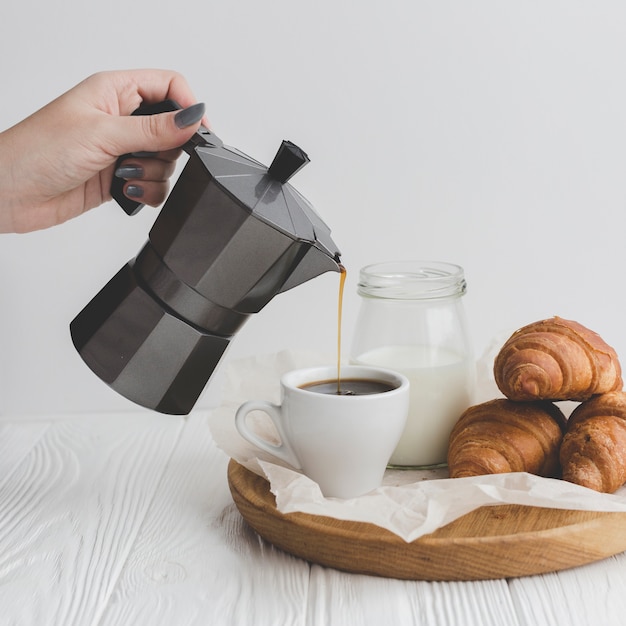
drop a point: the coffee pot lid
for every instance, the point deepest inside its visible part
(266, 192)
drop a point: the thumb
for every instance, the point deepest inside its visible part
(154, 133)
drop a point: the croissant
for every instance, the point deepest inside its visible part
(502, 436)
(556, 359)
(593, 452)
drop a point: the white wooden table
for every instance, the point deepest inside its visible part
(111, 519)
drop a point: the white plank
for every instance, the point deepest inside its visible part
(592, 594)
(17, 438)
(70, 513)
(196, 561)
(337, 598)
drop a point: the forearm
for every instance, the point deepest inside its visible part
(9, 185)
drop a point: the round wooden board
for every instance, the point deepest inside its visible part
(491, 542)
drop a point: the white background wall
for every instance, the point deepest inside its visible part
(489, 133)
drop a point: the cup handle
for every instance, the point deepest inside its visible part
(282, 451)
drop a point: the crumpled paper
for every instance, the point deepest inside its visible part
(409, 503)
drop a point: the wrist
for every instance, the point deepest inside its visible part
(8, 184)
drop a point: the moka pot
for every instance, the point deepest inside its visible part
(231, 235)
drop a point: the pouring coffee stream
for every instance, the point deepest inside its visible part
(342, 283)
(231, 235)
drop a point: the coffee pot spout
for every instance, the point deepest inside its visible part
(314, 263)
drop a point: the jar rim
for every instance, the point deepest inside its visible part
(412, 280)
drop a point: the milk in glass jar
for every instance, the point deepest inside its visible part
(412, 320)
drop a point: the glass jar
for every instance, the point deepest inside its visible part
(412, 320)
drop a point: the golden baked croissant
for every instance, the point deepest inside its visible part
(593, 452)
(502, 436)
(556, 359)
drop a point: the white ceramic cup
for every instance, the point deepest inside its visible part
(341, 442)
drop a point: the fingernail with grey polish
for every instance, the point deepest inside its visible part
(129, 171)
(189, 116)
(134, 191)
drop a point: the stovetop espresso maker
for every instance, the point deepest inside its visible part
(231, 235)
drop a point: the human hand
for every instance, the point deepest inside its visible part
(59, 162)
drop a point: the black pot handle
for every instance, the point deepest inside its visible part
(132, 207)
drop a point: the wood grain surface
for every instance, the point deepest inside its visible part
(491, 542)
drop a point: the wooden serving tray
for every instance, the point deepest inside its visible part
(490, 542)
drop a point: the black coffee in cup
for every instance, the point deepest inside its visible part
(349, 386)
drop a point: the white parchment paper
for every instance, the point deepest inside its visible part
(408, 503)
